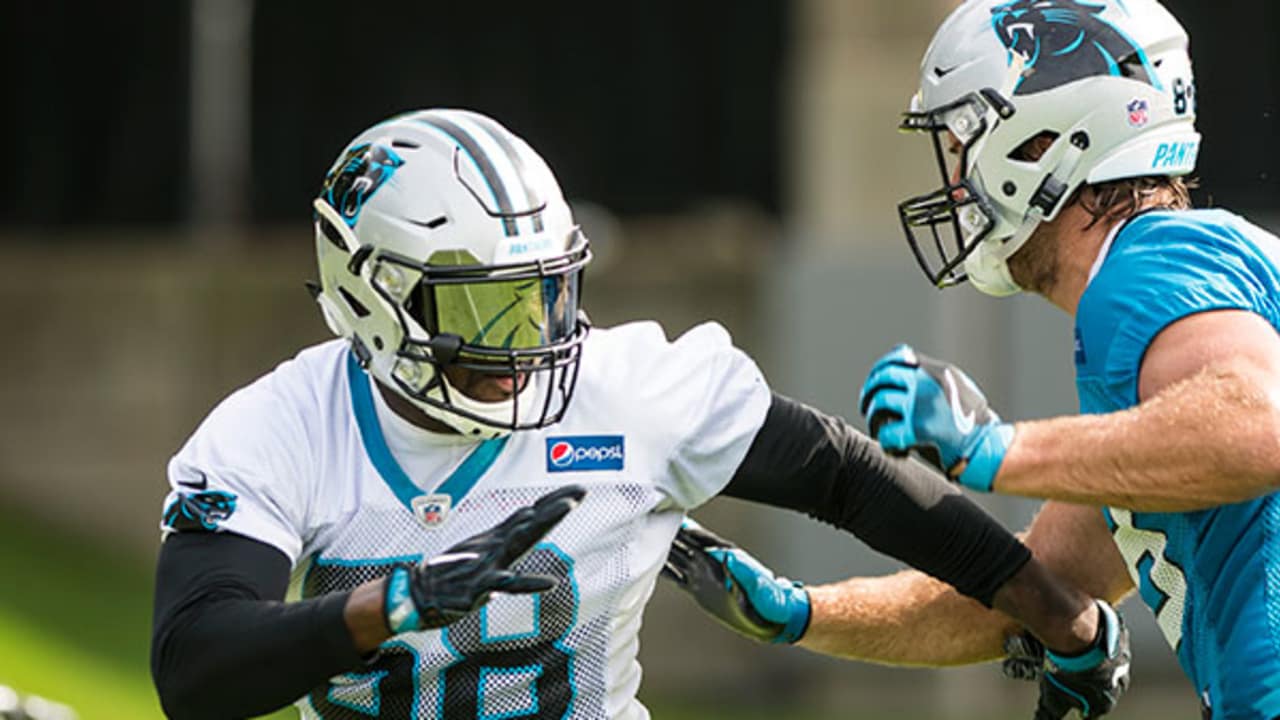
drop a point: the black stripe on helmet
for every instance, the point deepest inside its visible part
(503, 138)
(468, 144)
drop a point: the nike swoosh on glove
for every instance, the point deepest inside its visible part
(914, 402)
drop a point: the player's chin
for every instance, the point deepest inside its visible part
(496, 388)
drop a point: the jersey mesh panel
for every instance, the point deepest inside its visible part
(554, 667)
(1135, 544)
(1271, 520)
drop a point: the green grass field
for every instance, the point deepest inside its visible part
(75, 623)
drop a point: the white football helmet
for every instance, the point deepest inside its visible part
(443, 239)
(1108, 80)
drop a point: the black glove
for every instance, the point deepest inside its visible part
(1024, 657)
(735, 588)
(446, 588)
(1091, 682)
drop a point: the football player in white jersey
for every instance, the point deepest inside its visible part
(363, 479)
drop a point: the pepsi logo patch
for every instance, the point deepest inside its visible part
(579, 453)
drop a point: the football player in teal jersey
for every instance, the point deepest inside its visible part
(1063, 130)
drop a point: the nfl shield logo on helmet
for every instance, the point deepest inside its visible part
(1137, 111)
(432, 510)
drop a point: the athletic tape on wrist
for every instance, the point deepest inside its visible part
(402, 614)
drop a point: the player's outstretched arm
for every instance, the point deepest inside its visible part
(1206, 432)
(806, 461)
(224, 645)
(907, 618)
(910, 618)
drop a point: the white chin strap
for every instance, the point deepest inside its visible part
(988, 265)
(500, 411)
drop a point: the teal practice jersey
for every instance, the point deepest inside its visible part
(1211, 577)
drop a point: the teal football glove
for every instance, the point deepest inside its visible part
(913, 402)
(734, 588)
(1092, 681)
(443, 589)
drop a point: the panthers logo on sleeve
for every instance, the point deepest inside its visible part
(1061, 41)
(199, 512)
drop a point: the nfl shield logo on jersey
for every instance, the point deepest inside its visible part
(431, 510)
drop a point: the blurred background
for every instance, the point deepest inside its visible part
(730, 161)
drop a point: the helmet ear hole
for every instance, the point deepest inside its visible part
(356, 306)
(1034, 147)
(331, 233)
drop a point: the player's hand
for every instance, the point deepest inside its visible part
(1023, 657)
(913, 402)
(1091, 682)
(735, 588)
(446, 588)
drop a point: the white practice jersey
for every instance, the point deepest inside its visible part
(309, 459)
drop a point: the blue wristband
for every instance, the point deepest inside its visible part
(402, 614)
(777, 600)
(798, 622)
(1104, 645)
(988, 453)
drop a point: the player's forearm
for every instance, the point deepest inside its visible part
(242, 658)
(1061, 615)
(1211, 440)
(912, 619)
(224, 644)
(365, 616)
(818, 465)
(903, 619)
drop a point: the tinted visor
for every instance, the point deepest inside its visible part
(527, 312)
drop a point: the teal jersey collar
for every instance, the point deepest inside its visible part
(456, 486)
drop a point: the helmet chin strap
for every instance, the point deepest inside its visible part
(500, 411)
(988, 266)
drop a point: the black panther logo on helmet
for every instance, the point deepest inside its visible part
(1061, 41)
(354, 180)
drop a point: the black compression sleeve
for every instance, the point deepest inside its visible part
(223, 644)
(819, 465)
